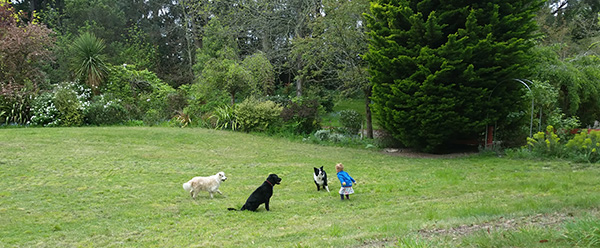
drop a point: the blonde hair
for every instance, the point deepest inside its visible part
(339, 167)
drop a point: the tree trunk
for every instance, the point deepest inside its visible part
(368, 92)
(299, 86)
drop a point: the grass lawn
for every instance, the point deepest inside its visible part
(333, 119)
(121, 187)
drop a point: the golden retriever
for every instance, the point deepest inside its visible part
(210, 184)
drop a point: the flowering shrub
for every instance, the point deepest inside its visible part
(545, 143)
(583, 147)
(63, 106)
(586, 146)
(43, 111)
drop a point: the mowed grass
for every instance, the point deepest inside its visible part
(121, 187)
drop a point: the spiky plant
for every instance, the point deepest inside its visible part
(88, 60)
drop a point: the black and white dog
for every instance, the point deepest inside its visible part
(320, 178)
(261, 195)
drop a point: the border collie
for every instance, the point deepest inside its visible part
(320, 178)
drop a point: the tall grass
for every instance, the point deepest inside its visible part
(121, 187)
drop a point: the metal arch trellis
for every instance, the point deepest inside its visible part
(522, 81)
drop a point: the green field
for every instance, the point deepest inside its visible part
(121, 187)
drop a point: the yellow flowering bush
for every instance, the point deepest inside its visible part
(585, 145)
(545, 143)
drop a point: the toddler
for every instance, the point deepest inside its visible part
(346, 181)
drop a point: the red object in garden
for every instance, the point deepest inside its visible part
(489, 140)
(575, 131)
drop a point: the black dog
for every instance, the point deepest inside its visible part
(261, 195)
(320, 179)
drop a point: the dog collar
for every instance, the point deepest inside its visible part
(269, 182)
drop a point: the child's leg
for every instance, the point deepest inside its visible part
(342, 196)
(348, 197)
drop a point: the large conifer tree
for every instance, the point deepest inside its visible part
(441, 69)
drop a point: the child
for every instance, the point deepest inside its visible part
(346, 181)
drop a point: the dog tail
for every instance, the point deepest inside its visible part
(232, 209)
(187, 186)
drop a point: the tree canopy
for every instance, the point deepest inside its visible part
(441, 71)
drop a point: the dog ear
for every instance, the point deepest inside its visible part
(316, 170)
(321, 167)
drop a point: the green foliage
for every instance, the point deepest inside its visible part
(226, 75)
(574, 79)
(218, 42)
(68, 105)
(105, 110)
(262, 74)
(202, 99)
(351, 120)
(137, 50)
(24, 48)
(322, 134)
(14, 105)
(223, 117)
(181, 120)
(302, 115)
(434, 66)
(545, 144)
(255, 115)
(585, 146)
(88, 59)
(582, 147)
(43, 111)
(140, 91)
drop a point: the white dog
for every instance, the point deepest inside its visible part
(210, 184)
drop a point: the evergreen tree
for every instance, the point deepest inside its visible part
(442, 70)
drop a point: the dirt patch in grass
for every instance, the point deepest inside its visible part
(410, 153)
(539, 220)
(549, 220)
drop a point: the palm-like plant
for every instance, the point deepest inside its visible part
(88, 60)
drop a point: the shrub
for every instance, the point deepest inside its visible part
(545, 143)
(255, 115)
(181, 119)
(104, 111)
(127, 83)
(282, 100)
(351, 121)
(337, 138)
(223, 118)
(43, 111)
(585, 146)
(15, 104)
(322, 135)
(142, 94)
(302, 115)
(71, 99)
(201, 99)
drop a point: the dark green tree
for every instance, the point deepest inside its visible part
(442, 70)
